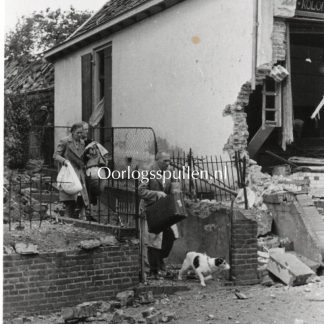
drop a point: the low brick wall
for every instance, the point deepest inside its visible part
(43, 283)
(208, 229)
(244, 259)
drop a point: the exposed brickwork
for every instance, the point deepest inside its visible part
(244, 259)
(279, 40)
(238, 139)
(46, 282)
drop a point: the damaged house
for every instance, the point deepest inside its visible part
(215, 76)
(181, 67)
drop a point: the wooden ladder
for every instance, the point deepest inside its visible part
(271, 104)
(271, 115)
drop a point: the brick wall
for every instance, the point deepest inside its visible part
(279, 40)
(238, 139)
(244, 259)
(316, 182)
(46, 282)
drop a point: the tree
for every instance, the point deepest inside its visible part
(17, 125)
(42, 30)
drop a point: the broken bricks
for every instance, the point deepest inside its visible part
(153, 317)
(26, 248)
(84, 310)
(120, 318)
(126, 297)
(148, 312)
(146, 297)
(89, 244)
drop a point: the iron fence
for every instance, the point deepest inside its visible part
(127, 146)
(35, 197)
(207, 177)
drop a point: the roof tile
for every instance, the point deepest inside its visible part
(108, 12)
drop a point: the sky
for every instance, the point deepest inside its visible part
(14, 9)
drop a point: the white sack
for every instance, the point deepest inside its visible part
(68, 180)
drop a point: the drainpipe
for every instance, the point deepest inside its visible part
(254, 41)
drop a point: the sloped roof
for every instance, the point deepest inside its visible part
(35, 76)
(112, 17)
(109, 11)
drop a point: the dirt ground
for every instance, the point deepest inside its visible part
(218, 304)
(49, 236)
(214, 304)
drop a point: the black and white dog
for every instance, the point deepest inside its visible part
(203, 265)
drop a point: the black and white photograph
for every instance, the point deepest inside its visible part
(163, 162)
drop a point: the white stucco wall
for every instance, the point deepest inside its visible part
(175, 72)
(67, 95)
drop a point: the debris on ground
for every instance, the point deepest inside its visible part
(146, 297)
(126, 298)
(81, 311)
(288, 268)
(89, 244)
(51, 236)
(264, 305)
(26, 248)
(240, 295)
(268, 242)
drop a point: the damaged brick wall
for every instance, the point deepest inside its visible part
(244, 259)
(279, 40)
(35, 284)
(238, 139)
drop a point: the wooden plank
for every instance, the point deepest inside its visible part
(258, 139)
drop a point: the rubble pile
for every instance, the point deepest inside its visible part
(29, 195)
(277, 260)
(264, 184)
(31, 238)
(120, 310)
(204, 208)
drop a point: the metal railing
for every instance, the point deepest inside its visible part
(207, 177)
(32, 198)
(132, 146)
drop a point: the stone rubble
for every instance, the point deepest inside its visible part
(26, 248)
(114, 311)
(288, 268)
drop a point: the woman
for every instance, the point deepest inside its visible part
(70, 149)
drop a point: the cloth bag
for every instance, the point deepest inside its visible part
(68, 181)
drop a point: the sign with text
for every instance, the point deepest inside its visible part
(310, 8)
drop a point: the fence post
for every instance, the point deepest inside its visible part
(140, 228)
(9, 209)
(191, 166)
(137, 202)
